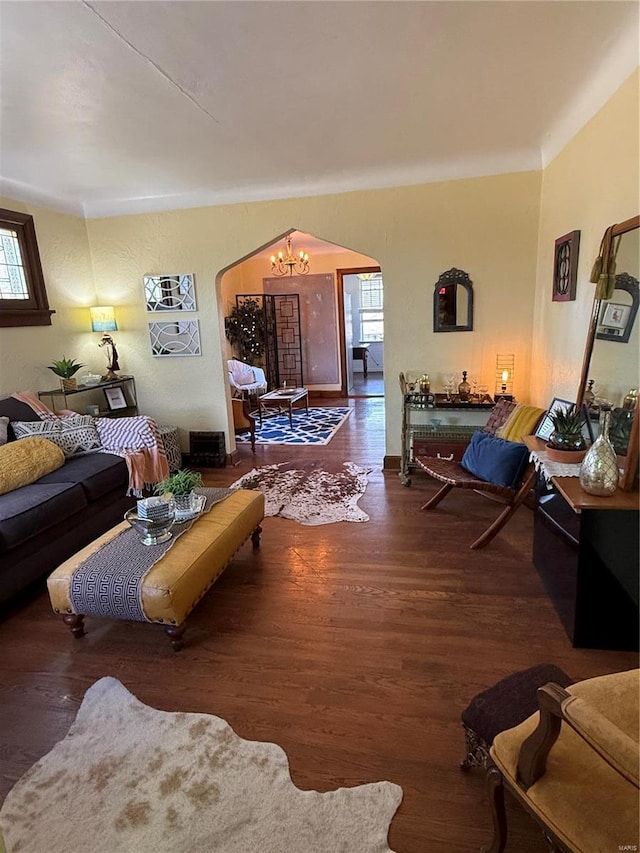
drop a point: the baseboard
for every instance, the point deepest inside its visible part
(391, 463)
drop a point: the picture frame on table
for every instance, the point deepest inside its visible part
(115, 399)
(545, 427)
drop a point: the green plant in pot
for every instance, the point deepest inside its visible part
(180, 485)
(66, 368)
(567, 443)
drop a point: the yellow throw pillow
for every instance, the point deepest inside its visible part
(25, 461)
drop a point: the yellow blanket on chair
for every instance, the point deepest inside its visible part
(522, 421)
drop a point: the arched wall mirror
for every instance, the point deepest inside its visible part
(453, 302)
(612, 350)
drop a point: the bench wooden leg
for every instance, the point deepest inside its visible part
(255, 537)
(435, 500)
(75, 623)
(176, 635)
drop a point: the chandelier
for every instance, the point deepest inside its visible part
(290, 263)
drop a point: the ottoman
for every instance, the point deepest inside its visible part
(171, 588)
(502, 707)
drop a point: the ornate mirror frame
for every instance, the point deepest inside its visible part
(629, 464)
(446, 287)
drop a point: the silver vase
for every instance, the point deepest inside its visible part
(599, 468)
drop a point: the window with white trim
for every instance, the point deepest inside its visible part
(371, 307)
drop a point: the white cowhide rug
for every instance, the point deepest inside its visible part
(308, 493)
(131, 779)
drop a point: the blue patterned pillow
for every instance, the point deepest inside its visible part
(495, 459)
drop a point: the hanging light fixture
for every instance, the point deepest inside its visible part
(282, 264)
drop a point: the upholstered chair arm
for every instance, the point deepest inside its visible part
(557, 705)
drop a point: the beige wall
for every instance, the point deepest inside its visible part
(591, 184)
(498, 229)
(66, 263)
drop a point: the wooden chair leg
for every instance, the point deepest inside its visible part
(439, 495)
(495, 792)
(506, 513)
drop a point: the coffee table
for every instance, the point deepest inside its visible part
(283, 401)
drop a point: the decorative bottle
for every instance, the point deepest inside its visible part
(464, 389)
(425, 384)
(599, 468)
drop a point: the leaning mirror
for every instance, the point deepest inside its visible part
(453, 302)
(611, 365)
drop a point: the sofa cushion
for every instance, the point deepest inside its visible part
(24, 462)
(4, 425)
(495, 459)
(97, 473)
(16, 410)
(28, 511)
(74, 435)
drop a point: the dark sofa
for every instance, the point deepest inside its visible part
(46, 522)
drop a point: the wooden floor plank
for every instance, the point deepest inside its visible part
(353, 646)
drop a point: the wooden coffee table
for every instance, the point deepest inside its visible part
(283, 401)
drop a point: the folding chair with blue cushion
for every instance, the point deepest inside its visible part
(494, 466)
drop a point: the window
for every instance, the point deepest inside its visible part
(23, 297)
(371, 308)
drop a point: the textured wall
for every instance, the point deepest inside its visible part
(591, 184)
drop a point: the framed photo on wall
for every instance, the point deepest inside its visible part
(115, 398)
(565, 267)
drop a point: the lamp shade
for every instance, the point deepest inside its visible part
(103, 319)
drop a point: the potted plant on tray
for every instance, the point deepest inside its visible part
(181, 486)
(66, 368)
(566, 443)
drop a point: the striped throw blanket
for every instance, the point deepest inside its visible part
(138, 441)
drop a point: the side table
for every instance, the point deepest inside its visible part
(169, 436)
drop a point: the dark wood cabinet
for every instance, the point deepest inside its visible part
(587, 557)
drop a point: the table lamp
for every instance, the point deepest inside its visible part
(103, 319)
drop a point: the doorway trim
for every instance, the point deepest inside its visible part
(340, 274)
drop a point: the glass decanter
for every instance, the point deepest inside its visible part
(464, 389)
(599, 469)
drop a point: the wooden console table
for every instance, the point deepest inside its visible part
(586, 550)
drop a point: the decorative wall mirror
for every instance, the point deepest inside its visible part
(612, 350)
(170, 292)
(453, 302)
(179, 337)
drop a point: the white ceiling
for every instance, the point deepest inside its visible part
(114, 107)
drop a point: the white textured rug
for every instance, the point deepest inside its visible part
(130, 779)
(308, 493)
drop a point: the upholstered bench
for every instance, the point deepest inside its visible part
(169, 590)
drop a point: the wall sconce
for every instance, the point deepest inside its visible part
(103, 319)
(504, 376)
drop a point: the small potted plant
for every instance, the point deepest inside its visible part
(181, 486)
(66, 368)
(567, 443)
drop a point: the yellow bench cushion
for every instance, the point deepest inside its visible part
(174, 585)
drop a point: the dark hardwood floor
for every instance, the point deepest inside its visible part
(353, 646)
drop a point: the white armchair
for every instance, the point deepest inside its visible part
(245, 379)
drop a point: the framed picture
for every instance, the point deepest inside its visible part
(617, 317)
(546, 426)
(115, 398)
(565, 267)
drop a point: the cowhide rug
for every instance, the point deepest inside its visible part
(309, 494)
(131, 779)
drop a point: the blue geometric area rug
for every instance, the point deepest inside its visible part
(317, 426)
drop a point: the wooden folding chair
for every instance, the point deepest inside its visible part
(454, 476)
